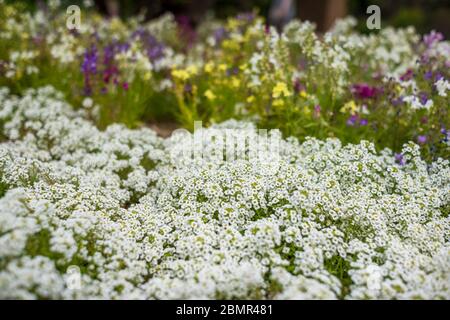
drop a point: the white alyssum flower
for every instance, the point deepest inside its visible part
(331, 221)
(87, 102)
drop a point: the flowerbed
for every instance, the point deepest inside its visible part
(388, 87)
(356, 206)
(331, 221)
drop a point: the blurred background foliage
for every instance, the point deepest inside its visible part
(425, 15)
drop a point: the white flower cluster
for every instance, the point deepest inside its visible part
(332, 221)
(442, 86)
(415, 103)
(392, 51)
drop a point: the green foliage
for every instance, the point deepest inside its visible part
(339, 267)
(3, 188)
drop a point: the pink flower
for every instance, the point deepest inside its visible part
(364, 91)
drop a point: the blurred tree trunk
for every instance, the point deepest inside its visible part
(112, 7)
(323, 12)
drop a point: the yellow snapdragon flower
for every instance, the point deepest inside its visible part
(210, 95)
(184, 74)
(147, 75)
(209, 67)
(350, 107)
(192, 70)
(222, 67)
(280, 90)
(233, 23)
(278, 103)
(181, 74)
(306, 110)
(230, 44)
(235, 82)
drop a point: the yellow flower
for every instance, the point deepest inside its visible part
(222, 67)
(230, 44)
(281, 89)
(192, 70)
(303, 94)
(306, 110)
(235, 82)
(210, 95)
(243, 67)
(181, 74)
(209, 67)
(232, 23)
(278, 103)
(350, 107)
(147, 75)
(250, 99)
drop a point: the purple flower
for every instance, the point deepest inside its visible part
(317, 111)
(220, 34)
(423, 97)
(364, 91)
(154, 48)
(432, 38)
(399, 159)
(396, 102)
(188, 88)
(428, 75)
(187, 32)
(232, 71)
(352, 120)
(298, 86)
(422, 139)
(363, 122)
(108, 53)
(156, 52)
(246, 16)
(125, 86)
(111, 72)
(89, 68)
(408, 75)
(439, 76)
(89, 65)
(446, 134)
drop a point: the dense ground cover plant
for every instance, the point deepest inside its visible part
(356, 205)
(388, 87)
(333, 221)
